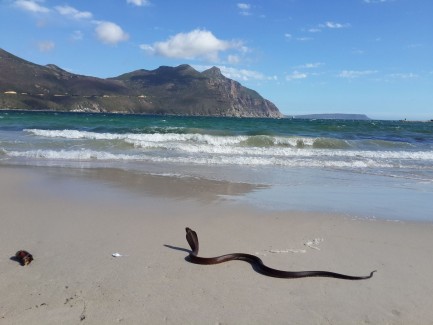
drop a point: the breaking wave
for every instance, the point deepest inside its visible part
(196, 148)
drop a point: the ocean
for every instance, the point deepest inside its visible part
(365, 169)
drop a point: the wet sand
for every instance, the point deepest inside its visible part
(72, 221)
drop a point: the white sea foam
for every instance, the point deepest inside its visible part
(89, 155)
(71, 155)
(238, 150)
(145, 137)
(172, 137)
(73, 134)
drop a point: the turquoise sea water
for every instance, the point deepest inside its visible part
(366, 168)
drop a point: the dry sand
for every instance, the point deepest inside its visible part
(72, 224)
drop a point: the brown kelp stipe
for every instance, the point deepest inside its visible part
(24, 257)
(192, 238)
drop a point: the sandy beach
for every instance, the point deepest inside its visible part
(72, 221)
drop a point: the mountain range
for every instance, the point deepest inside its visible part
(180, 90)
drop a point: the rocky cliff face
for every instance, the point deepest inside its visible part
(167, 90)
(238, 99)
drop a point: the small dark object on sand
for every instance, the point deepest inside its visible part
(24, 257)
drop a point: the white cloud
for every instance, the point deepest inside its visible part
(377, 1)
(242, 74)
(352, 74)
(244, 6)
(195, 44)
(334, 25)
(326, 25)
(290, 37)
(45, 46)
(296, 75)
(110, 33)
(139, 3)
(73, 13)
(310, 65)
(147, 48)
(239, 74)
(31, 5)
(245, 9)
(409, 75)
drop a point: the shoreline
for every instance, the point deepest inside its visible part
(350, 194)
(73, 224)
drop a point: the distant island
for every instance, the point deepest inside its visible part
(178, 90)
(335, 116)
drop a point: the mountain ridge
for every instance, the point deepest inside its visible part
(180, 90)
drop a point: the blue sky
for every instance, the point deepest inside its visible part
(306, 56)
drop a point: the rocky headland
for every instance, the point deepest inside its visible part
(180, 90)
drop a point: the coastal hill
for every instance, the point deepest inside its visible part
(335, 116)
(178, 90)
